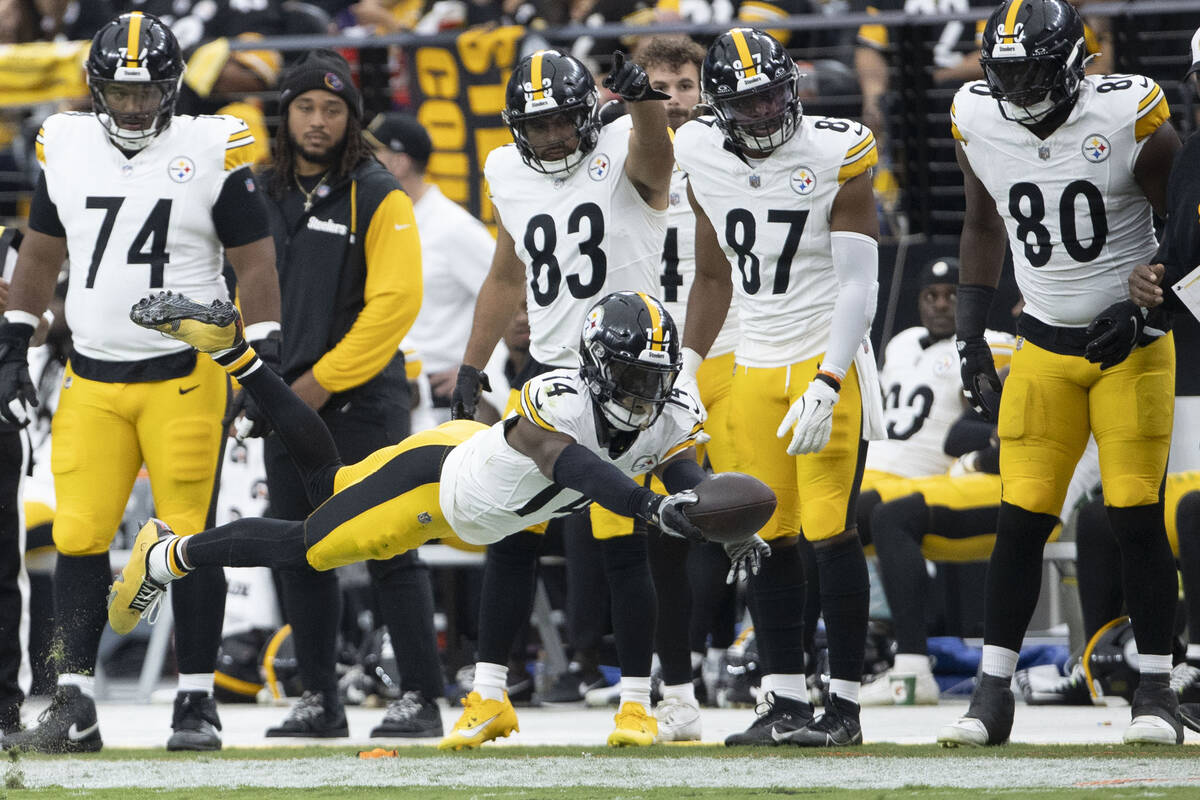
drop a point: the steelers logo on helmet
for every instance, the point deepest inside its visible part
(551, 108)
(1033, 57)
(750, 82)
(630, 357)
(134, 70)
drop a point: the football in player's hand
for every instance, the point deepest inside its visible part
(732, 507)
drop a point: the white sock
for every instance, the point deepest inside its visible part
(912, 664)
(792, 686)
(684, 693)
(999, 661)
(636, 690)
(490, 680)
(847, 690)
(195, 682)
(158, 561)
(86, 683)
(697, 660)
(1148, 664)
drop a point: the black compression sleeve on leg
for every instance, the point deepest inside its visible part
(1147, 574)
(1098, 568)
(508, 585)
(714, 602)
(313, 605)
(669, 566)
(199, 606)
(1014, 576)
(631, 590)
(899, 527)
(777, 606)
(845, 603)
(80, 586)
(302, 431)
(249, 542)
(1187, 524)
(587, 588)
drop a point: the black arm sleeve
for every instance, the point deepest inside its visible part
(582, 470)
(240, 213)
(969, 433)
(682, 474)
(43, 214)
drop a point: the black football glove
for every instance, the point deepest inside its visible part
(468, 388)
(669, 516)
(629, 81)
(17, 395)
(1116, 331)
(745, 557)
(978, 371)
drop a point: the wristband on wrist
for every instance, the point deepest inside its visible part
(829, 378)
(974, 302)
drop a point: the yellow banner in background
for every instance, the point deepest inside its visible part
(41, 72)
(458, 94)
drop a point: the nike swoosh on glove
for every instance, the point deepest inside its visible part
(670, 516)
(810, 419)
(745, 558)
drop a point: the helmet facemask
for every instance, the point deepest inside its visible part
(133, 112)
(631, 393)
(555, 156)
(1031, 88)
(759, 120)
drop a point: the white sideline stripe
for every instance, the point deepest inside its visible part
(868, 772)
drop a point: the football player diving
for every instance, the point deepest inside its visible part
(1089, 360)
(550, 458)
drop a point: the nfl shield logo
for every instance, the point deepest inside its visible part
(1044, 152)
(755, 181)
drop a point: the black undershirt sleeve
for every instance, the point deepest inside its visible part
(43, 214)
(681, 474)
(582, 470)
(240, 213)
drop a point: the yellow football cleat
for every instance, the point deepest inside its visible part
(481, 721)
(134, 594)
(635, 727)
(209, 329)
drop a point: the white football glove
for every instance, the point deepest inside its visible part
(745, 557)
(810, 418)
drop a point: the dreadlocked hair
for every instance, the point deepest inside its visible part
(354, 151)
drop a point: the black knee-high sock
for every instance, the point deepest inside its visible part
(405, 596)
(509, 576)
(1014, 576)
(1187, 523)
(249, 542)
(845, 603)
(898, 529)
(587, 589)
(812, 601)
(199, 606)
(631, 590)
(316, 598)
(714, 602)
(1147, 575)
(1098, 568)
(80, 587)
(777, 607)
(864, 513)
(668, 565)
(300, 428)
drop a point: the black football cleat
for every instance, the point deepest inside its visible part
(411, 716)
(195, 722)
(1155, 712)
(838, 726)
(208, 328)
(68, 725)
(989, 718)
(312, 718)
(777, 716)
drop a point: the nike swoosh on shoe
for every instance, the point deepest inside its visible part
(75, 735)
(469, 733)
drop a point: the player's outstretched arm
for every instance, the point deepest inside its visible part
(712, 289)
(651, 154)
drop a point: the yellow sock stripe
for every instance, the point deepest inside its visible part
(1010, 20)
(173, 559)
(743, 49)
(135, 35)
(1091, 645)
(656, 332)
(535, 74)
(243, 361)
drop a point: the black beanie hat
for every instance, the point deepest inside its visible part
(320, 69)
(939, 270)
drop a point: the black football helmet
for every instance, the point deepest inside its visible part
(630, 356)
(1033, 57)
(134, 71)
(544, 86)
(750, 82)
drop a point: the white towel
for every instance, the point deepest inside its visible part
(872, 393)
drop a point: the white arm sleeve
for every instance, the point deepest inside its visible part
(856, 265)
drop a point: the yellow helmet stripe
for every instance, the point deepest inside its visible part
(1010, 20)
(135, 36)
(743, 49)
(535, 74)
(656, 332)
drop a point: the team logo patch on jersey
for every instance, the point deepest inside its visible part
(599, 166)
(945, 365)
(1096, 148)
(645, 463)
(181, 169)
(803, 181)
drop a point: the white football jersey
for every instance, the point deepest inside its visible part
(138, 225)
(1076, 218)
(923, 397)
(579, 237)
(489, 490)
(679, 267)
(772, 219)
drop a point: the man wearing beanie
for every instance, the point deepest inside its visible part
(349, 263)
